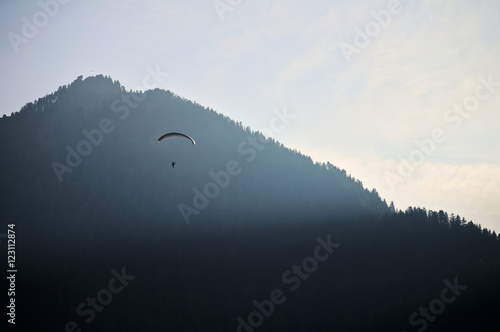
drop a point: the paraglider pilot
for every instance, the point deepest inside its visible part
(173, 164)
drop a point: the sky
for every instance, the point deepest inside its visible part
(403, 95)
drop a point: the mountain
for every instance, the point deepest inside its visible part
(243, 234)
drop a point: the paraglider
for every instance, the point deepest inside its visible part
(169, 135)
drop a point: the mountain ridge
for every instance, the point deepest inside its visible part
(105, 112)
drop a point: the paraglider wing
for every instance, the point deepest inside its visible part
(175, 135)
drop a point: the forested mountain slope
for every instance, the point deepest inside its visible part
(243, 234)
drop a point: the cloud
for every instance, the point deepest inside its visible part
(471, 190)
(267, 54)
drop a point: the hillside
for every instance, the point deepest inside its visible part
(92, 194)
(273, 178)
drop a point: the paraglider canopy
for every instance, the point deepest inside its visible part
(169, 135)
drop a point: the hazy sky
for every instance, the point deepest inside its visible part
(396, 93)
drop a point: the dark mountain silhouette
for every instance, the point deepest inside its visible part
(243, 234)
